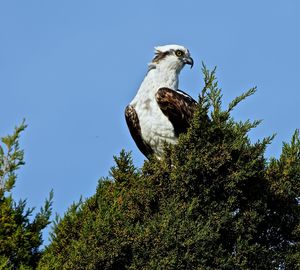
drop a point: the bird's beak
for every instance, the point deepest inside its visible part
(189, 60)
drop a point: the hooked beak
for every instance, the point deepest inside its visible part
(189, 60)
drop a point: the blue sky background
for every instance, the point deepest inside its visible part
(71, 67)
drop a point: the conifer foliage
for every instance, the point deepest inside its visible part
(20, 235)
(212, 202)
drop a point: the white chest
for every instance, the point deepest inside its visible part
(155, 126)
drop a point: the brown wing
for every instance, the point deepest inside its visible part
(133, 124)
(178, 106)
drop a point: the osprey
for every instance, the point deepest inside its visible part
(160, 112)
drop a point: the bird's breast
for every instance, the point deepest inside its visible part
(155, 126)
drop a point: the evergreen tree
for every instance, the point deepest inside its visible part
(20, 237)
(212, 202)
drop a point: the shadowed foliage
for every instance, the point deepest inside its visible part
(20, 234)
(212, 202)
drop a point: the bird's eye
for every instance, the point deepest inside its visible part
(179, 53)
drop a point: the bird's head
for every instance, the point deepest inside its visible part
(172, 56)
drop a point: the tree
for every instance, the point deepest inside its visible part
(20, 237)
(212, 202)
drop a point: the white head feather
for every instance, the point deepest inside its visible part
(166, 48)
(166, 58)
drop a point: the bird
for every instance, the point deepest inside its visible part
(160, 112)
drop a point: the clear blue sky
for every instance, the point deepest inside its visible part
(70, 68)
